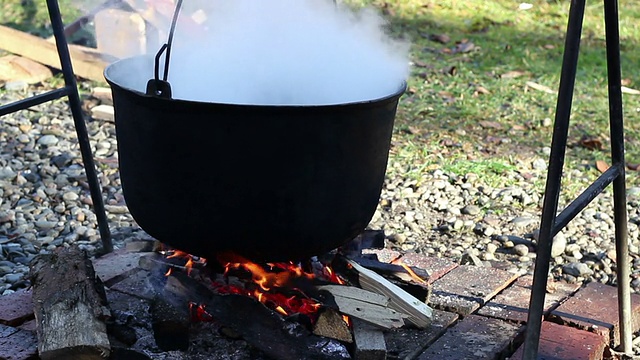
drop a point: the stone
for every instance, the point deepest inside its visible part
(471, 210)
(558, 245)
(577, 269)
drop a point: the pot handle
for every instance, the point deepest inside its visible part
(155, 86)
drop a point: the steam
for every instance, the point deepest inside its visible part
(293, 52)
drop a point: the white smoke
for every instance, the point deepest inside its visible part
(294, 52)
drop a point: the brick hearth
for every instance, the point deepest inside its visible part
(480, 312)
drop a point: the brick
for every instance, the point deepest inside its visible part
(30, 325)
(140, 284)
(17, 344)
(559, 342)
(595, 308)
(513, 303)
(16, 308)
(407, 343)
(436, 267)
(475, 337)
(467, 287)
(116, 266)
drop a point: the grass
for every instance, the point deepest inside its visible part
(475, 106)
(472, 110)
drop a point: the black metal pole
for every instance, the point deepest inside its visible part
(619, 187)
(81, 129)
(554, 176)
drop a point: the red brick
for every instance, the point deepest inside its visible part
(16, 308)
(16, 344)
(467, 287)
(559, 342)
(595, 308)
(406, 342)
(513, 303)
(116, 266)
(475, 337)
(436, 267)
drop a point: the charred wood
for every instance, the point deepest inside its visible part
(70, 307)
(259, 326)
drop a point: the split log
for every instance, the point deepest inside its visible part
(70, 307)
(368, 306)
(419, 313)
(331, 324)
(87, 63)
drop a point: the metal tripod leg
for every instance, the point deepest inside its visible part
(81, 129)
(550, 224)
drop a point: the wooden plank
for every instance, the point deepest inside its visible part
(355, 293)
(369, 342)
(87, 63)
(419, 313)
(70, 307)
(353, 302)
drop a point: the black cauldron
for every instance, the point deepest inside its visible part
(266, 182)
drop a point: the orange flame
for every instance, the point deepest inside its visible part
(267, 280)
(410, 271)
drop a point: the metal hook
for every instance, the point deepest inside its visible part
(155, 86)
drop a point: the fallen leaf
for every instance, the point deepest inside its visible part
(464, 46)
(602, 166)
(446, 96)
(591, 143)
(549, 47)
(490, 124)
(451, 70)
(633, 167)
(481, 90)
(512, 74)
(625, 82)
(539, 87)
(440, 38)
(419, 63)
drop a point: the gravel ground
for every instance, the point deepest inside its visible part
(45, 204)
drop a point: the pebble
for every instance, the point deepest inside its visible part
(45, 205)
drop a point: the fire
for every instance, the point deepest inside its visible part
(278, 276)
(191, 260)
(272, 284)
(409, 271)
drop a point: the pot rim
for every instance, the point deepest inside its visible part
(113, 83)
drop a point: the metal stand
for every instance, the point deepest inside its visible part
(70, 90)
(552, 224)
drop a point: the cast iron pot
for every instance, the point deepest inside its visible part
(267, 182)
